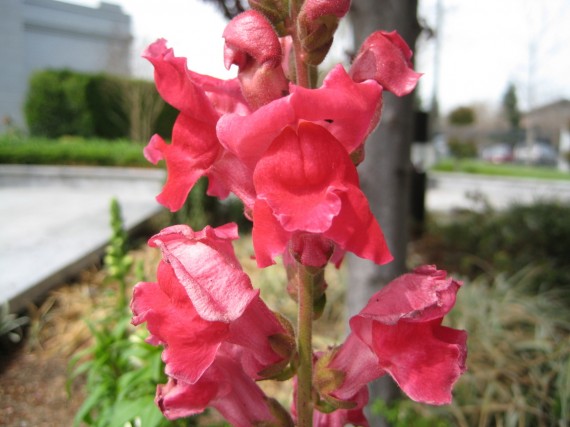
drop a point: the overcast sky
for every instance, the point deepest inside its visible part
(485, 44)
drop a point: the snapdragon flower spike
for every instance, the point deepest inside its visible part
(386, 58)
(252, 44)
(195, 150)
(399, 332)
(348, 110)
(306, 183)
(224, 386)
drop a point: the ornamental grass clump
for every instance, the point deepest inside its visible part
(289, 151)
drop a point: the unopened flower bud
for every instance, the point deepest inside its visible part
(252, 44)
(318, 21)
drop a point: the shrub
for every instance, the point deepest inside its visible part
(462, 149)
(507, 241)
(62, 102)
(56, 104)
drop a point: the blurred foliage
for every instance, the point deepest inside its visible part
(507, 241)
(462, 149)
(462, 116)
(56, 104)
(64, 102)
(511, 106)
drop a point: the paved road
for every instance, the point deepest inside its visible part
(56, 219)
(448, 191)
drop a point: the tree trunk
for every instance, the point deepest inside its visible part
(386, 170)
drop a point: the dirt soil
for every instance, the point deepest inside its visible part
(34, 373)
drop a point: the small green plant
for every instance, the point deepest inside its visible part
(11, 324)
(121, 370)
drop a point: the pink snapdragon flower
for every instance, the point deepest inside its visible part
(203, 300)
(195, 150)
(306, 183)
(224, 386)
(399, 332)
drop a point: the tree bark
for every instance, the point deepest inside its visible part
(386, 171)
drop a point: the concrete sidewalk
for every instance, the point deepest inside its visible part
(54, 221)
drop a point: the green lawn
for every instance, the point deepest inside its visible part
(512, 170)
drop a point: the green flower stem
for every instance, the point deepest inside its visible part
(302, 72)
(305, 348)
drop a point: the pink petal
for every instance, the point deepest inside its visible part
(192, 153)
(190, 343)
(269, 238)
(422, 295)
(348, 110)
(224, 386)
(386, 58)
(343, 417)
(248, 137)
(175, 85)
(251, 333)
(200, 96)
(355, 229)
(178, 399)
(425, 359)
(205, 264)
(299, 177)
(316, 193)
(356, 360)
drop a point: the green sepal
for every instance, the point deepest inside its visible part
(276, 12)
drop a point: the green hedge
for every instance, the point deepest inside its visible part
(71, 151)
(64, 102)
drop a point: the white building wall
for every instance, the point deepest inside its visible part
(40, 34)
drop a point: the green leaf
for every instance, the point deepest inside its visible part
(127, 410)
(92, 400)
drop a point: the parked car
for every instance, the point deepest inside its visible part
(537, 153)
(498, 153)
